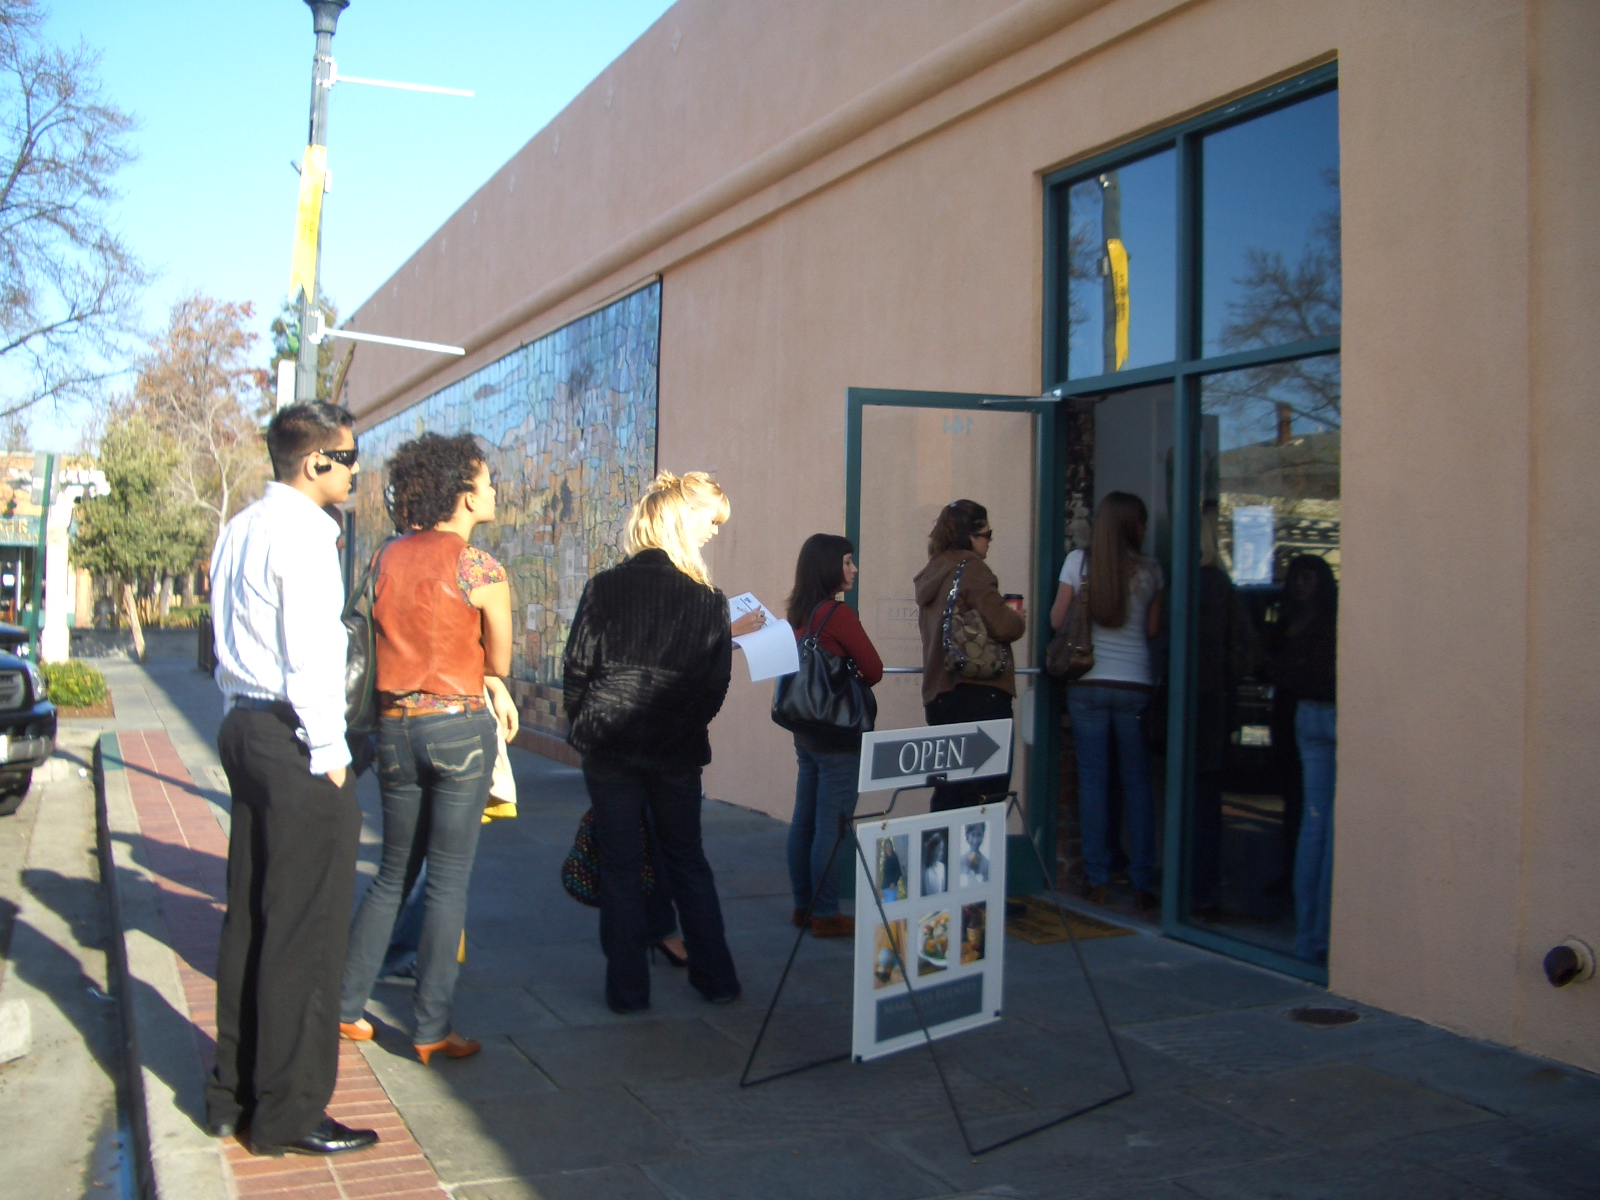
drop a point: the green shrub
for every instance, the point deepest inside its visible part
(74, 684)
(179, 617)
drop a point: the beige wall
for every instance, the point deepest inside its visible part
(836, 205)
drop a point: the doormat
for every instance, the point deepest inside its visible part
(1040, 923)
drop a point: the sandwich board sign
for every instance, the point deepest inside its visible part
(932, 957)
(939, 961)
(896, 758)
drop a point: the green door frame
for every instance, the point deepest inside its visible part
(1050, 524)
(1186, 374)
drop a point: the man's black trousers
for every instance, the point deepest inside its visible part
(291, 880)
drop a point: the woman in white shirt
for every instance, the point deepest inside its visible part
(1125, 612)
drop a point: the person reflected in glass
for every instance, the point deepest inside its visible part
(442, 618)
(647, 667)
(825, 781)
(1307, 670)
(1222, 656)
(1105, 704)
(960, 539)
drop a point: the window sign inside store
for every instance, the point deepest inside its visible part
(1252, 544)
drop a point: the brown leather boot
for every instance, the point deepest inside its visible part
(839, 926)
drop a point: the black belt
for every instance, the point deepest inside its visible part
(257, 704)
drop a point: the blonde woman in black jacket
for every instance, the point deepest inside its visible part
(646, 669)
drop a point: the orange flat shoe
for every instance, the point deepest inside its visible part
(454, 1046)
(357, 1031)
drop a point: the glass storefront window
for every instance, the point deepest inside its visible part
(1230, 313)
(1120, 259)
(1268, 585)
(1270, 229)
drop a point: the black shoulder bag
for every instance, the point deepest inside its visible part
(361, 660)
(825, 696)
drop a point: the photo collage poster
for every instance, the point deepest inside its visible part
(942, 879)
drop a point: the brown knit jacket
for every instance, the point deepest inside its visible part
(979, 590)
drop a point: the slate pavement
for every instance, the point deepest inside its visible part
(1234, 1099)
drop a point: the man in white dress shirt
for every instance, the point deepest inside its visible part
(277, 594)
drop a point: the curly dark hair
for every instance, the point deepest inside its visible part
(428, 476)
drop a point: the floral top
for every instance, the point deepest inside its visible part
(474, 569)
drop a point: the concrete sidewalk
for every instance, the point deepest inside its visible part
(1234, 1098)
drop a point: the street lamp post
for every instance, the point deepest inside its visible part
(324, 20)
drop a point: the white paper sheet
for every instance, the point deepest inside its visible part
(771, 650)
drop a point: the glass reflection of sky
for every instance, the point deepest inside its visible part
(1270, 185)
(1149, 232)
(1246, 404)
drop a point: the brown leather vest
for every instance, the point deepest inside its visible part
(429, 638)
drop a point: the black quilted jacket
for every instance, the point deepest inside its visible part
(647, 665)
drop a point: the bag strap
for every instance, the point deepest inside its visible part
(813, 636)
(364, 589)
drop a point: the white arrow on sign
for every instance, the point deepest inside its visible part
(892, 758)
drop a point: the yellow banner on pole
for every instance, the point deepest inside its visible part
(308, 219)
(1117, 254)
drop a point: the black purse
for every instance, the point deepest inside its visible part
(361, 659)
(825, 696)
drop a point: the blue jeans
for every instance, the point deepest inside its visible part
(434, 772)
(1317, 736)
(824, 791)
(1098, 714)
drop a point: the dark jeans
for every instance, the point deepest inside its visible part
(824, 791)
(969, 702)
(434, 772)
(291, 878)
(1101, 715)
(621, 795)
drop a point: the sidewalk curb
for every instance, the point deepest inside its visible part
(173, 1157)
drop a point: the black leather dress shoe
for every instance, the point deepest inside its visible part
(329, 1137)
(220, 1129)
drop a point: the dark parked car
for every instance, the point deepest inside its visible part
(27, 728)
(13, 639)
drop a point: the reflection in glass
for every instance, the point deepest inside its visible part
(1260, 821)
(1121, 268)
(1270, 240)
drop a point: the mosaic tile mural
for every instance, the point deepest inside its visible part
(570, 425)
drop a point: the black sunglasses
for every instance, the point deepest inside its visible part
(345, 458)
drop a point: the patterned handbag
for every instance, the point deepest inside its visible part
(969, 651)
(580, 872)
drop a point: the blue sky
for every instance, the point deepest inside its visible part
(221, 91)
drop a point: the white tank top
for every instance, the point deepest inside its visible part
(1122, 654)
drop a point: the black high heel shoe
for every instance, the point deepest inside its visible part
(677, 960)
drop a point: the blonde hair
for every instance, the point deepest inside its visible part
(657, 520)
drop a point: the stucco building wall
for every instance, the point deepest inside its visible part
(841, 195)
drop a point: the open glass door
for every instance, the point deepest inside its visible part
(908, 454)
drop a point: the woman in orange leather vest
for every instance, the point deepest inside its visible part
(442, 613)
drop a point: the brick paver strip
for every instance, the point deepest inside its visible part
(187, 852)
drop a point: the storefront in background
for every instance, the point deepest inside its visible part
(1034, 253)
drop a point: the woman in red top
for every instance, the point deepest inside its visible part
(826, 787)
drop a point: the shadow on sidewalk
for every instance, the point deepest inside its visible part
(54, 971)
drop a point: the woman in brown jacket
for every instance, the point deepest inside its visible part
(962, 535)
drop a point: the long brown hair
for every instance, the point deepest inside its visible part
(1115, 557)
(818, 575)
